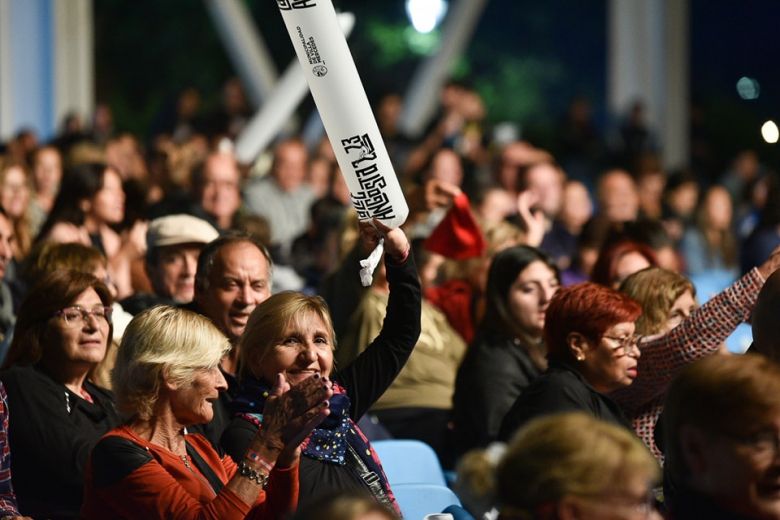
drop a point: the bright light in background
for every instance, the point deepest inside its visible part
(748, 88)
(769, 132)
(425, 15)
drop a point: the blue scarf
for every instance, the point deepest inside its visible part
(328, 443)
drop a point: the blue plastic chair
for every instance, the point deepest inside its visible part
(418, 500)
(409, 462)
(711, 283)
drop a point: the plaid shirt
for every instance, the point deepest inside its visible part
(663, 356)
(8, 505)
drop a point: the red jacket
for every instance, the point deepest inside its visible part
(138, 479)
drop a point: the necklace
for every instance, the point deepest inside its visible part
(185, 461)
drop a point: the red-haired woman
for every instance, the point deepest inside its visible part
(620, 260)
(592, 350)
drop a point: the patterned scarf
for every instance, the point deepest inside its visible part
(329, 442)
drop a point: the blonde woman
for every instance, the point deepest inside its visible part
(167, 379)
(676, 333)
(573, 466)
(293, 333)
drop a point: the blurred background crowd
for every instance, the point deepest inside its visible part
(504, 214)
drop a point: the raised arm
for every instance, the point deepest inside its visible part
(374, 370)
(699, 336)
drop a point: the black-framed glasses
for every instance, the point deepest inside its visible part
(77, 315)
(624, 344)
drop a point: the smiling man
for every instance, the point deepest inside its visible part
(233, 277)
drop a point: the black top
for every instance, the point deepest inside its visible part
(139, 302)
(52, 432)
(364, 380)
(691, 505)
(493, 373)
(560, 389)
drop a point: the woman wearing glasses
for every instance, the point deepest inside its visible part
(570, 466)
(62, 331)
(592, 350)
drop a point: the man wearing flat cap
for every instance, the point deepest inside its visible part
(173, 245)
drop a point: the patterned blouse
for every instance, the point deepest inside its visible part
(8, 505)
(663, 356)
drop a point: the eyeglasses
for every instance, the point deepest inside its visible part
(639, 508)
(763, 444)
(78, 315)
(625, 344)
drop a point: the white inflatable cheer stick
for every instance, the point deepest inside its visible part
(343, 106)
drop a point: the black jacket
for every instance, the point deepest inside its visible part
(560, 389)
(691, 505)
(52, 432)
(493, 373)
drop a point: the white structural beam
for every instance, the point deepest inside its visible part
(74, 61)
(246, 48)
(46, 64)
(648, 61)
(6, 85)
(422, 96)
(277, 110)
(675, 129)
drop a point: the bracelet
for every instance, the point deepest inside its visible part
(256, 458)
(253, 475)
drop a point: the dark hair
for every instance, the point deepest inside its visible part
(56, 290)
(209, 253)
(504, 269)
(587, 308)
(79, 183)
(48, 256)
(650, 232)
(605, 269)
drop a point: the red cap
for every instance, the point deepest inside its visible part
(458, 236)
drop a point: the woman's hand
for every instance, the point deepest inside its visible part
(771, 264)
(291, 413)
(533, 221)
(396, 244)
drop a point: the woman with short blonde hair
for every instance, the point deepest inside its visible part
(292, 334)
(167, 379)
(574, 466)
(163, 342)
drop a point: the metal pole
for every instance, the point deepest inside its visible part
(279, 107)
(422, 96)
(246, 48)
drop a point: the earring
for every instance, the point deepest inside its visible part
(580, 357)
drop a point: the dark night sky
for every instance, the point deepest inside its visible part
(166, 45)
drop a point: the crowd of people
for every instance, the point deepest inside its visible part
(184, 336)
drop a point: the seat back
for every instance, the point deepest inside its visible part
(418, 500)
(409, 462)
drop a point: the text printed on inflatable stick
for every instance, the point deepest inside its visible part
(370, 201)
(287, 5)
